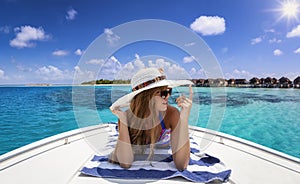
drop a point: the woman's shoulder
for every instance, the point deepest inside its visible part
(172, 116)
(171, 109)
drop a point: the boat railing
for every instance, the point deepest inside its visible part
(222, 137)
(67, 135)
(64, 136)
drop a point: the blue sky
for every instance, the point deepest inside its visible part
(44, 41)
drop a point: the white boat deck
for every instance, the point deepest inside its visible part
(58, 159)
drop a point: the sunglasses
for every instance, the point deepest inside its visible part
(165, 93)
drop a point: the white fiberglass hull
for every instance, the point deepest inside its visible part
(59, 159)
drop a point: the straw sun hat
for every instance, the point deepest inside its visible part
(145, 79)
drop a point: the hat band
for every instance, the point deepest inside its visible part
(147, 83)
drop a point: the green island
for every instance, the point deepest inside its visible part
(106, 81)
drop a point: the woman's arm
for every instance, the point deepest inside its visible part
(180, 141)
(123, 151)
(180, 134)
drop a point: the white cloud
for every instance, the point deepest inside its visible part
(106, 69)
(209, 25)
(172, 71)
(52, 73)
(22, 68)
(5, 29)
(26, 34)
(188, 59)
(127, 71)
(270, 30)
(275, 40)
(297, 51)
(111, 38)
(60, 53)
(189, 44)
(277, 52)
(113, 69)
(159, 63)
(239, 74)
(193, 70)
(96, 61)
(224, 50)
(77, 69)
(71, 14)
(138, 63)
(1, 74)
(112, 59)
(294, 33)
(197, 74)
(78, 52)
(83, 75)
(256, 40)
(175, 71)
(137, 56)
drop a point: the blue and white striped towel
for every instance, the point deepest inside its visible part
(202, 167)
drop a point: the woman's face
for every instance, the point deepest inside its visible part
(161, 97)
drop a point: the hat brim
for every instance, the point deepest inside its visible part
(124, 101)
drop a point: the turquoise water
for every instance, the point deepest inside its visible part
(270, 117)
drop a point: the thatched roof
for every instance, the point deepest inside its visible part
(297, 80)
(283, 80)
(254, 80)
(240, 81)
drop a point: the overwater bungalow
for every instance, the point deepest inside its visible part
(230, 82)
(285, 82)
(297, 82)
(241, 83)
(254, 82)
(271, 82)
(262, 81)
(199, 82)
(220, 82)
(268, 80)
(275, 81)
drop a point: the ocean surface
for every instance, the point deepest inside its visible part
(270, 117)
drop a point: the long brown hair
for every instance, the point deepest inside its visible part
(142, 118)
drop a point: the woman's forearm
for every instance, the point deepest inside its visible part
(181, 145)
(123, 148)
(180, 138)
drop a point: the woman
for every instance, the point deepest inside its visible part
(150, 120)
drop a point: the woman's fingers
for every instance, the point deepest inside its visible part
(191, 92)
(116, 111)
(182, 101)
(187, 103)
(182, 98)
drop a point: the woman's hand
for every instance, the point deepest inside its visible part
(180, 134)
(123, 153)
(120, 114)
(185, 104)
